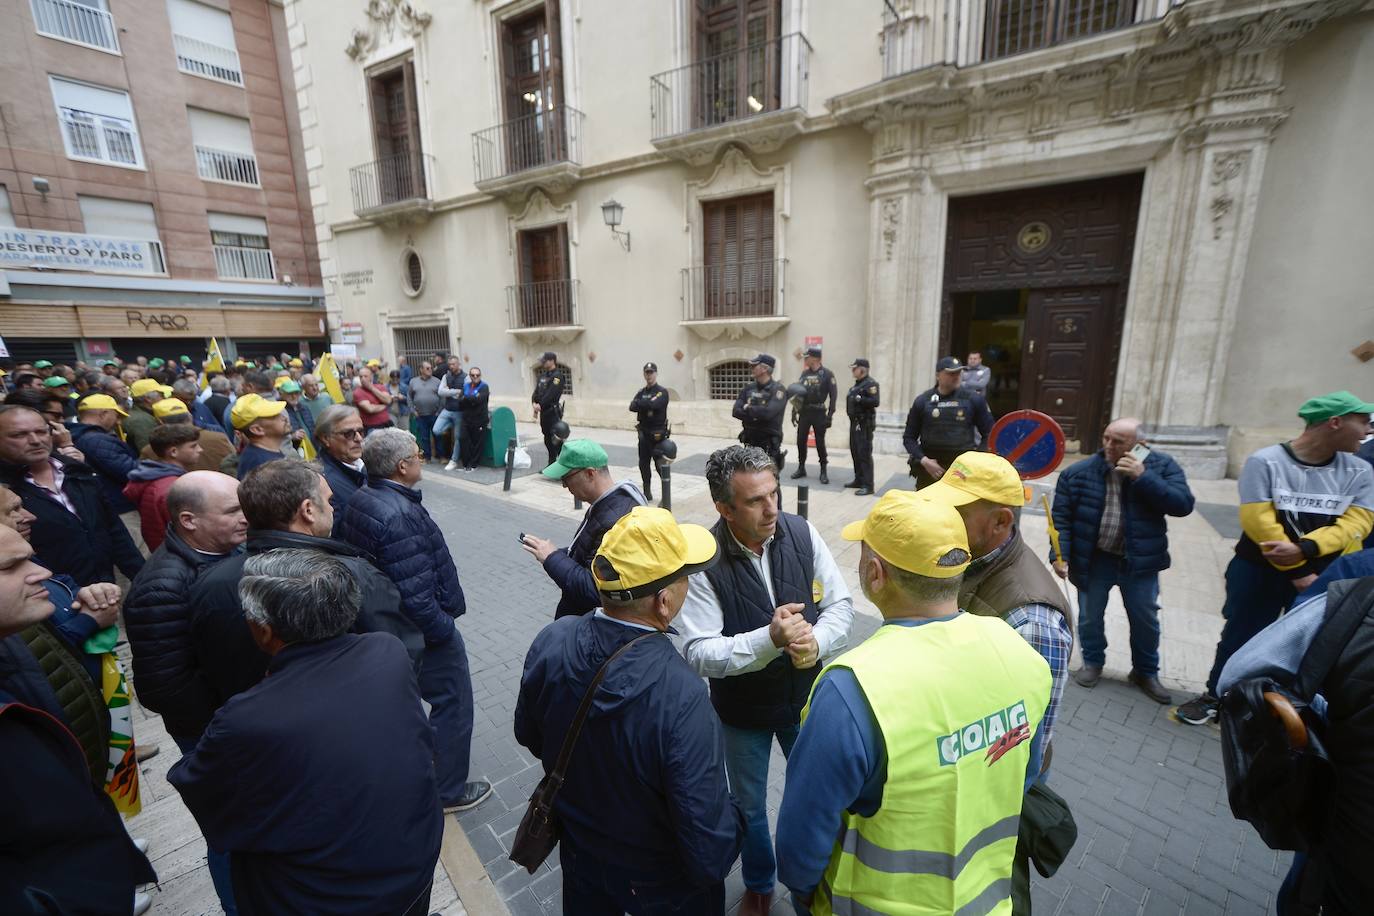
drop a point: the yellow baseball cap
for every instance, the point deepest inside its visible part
(648, 550)
(250, 408)
(978, 475)
(296, 364)
(282, 381)
(100, 402)
(146, 386)
(913, 533)
(169, 406)
(374, 363)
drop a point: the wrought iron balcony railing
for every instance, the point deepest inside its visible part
(746, 83)
(201, 58)
(551, 303)
(226, 165)
(234, 262)
(528, 142)
(79, 22)
(744, 289)
(390, 180)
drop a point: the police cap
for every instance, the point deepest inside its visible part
(765, 360)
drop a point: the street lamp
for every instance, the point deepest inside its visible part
(611, 212)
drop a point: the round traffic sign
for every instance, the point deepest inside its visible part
(1030, 440)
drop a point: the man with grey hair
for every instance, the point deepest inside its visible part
(187, 392)
(385, 518)
(295, 736)
(339, 441)
(757, 624)
(315, 398)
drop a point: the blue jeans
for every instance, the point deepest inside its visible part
(448, 418)
(746, 767)
(1256, 594)
(1140, 594)
(446, 685)
(597, 887)
(425, 424)
(216, 861)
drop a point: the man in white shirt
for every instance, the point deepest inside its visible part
(757, 624)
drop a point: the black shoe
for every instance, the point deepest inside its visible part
(799, 473)
(1151, 687)
(864, 491)
(1088, 676)
(852, 485)
(824, 477)
(1200, 710)
(474, 793)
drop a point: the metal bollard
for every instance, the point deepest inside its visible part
(803, 500)
(510, 462)
(665, 474)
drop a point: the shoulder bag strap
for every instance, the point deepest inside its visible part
(575, 729)
(1348, 603)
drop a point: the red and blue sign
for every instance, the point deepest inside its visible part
(1030, 440)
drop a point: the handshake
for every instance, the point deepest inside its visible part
(791, 633)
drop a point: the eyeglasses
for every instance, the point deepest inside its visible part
(349, 433)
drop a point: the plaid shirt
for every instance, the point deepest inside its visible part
(1111, 538)
(1048, 633)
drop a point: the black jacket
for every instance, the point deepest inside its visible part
(650, 404)
(109, 457)
(157, 618)
(226, 655)
(945, 422)
(344, 481)
(646, 785)
(473, 403)
(571, 568)
(760, 407)
(86, 546)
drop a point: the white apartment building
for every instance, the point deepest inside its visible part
(1130, 207)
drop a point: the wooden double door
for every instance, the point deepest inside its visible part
(1064, 358)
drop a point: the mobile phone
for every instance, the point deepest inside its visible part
(521, 538)
(1140, 451)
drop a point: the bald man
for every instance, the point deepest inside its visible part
(1110, 511)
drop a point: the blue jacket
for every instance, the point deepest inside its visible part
(204, 418)
(386, 520)
(335, 719)
(344, 481)
(1078, 498)
(571, 567)
(646, 784)
(111, 458)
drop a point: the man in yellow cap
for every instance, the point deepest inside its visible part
(905, 785)
(215, 446)
(648, 823)
(264, 424)
(140, 422)
(95, 434)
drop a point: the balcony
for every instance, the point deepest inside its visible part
(201, 58)
(99, 138)
(393, 188)
(543, 312)
(544, 148)
(226, 166)
(732, 299)
(78, 22)
(755, 96)
(233, 262)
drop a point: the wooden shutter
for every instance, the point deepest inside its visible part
(544, 295)
(737, 243)
(381, 128)
(416, 163)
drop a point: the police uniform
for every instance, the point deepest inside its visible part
(941, 426)
(651, 406)
(760, 409)
(813, 412)
(861, 404)
(548, 394)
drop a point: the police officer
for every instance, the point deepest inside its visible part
(812, 412)
(861, 403)
(651, 406)
(548, 402)
(941, 423)
(760, 408)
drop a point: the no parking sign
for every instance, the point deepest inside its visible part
(1030, 440)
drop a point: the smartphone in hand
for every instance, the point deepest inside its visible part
(1140, 451)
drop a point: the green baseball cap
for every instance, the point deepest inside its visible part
(55, 381)
(186, 359)
(290, 386)
(156, 362)
(42, 364)
(1335, 404)
(576, 455)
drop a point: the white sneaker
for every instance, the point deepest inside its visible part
(142, 844)
(451, 466)
(142, 903)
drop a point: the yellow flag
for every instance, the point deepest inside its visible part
(1054, 532)
(308, 449)
(213, 363)
(328, 372)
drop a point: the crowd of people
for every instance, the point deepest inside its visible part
(291, 608)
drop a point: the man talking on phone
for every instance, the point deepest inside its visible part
(1110, 511)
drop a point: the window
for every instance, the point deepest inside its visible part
(224, 147)
(6, 213)
(544, 293)
(739, 273)
(420, 344)
(97, 123)
(532, 58)
(728, 378)
(204, 41)
(400, 173)
(562, 372)
(1014, 26)
(241, 250)
(415, 273)
(738, 59)
(86, 22)
(127, 219)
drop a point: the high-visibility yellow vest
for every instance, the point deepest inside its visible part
(957, 703)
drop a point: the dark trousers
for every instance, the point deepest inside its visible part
(1256, 594)
(474, 435)
(446, 685)
(546, 420)
(646, 457)
(425, 427)
(216, 860)
(1140, 594)
(809, 421)
(598, 887)
(861, 449)
(943, 456)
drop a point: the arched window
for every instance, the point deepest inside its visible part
(728, 378)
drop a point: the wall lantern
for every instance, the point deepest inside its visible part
(611, 212)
